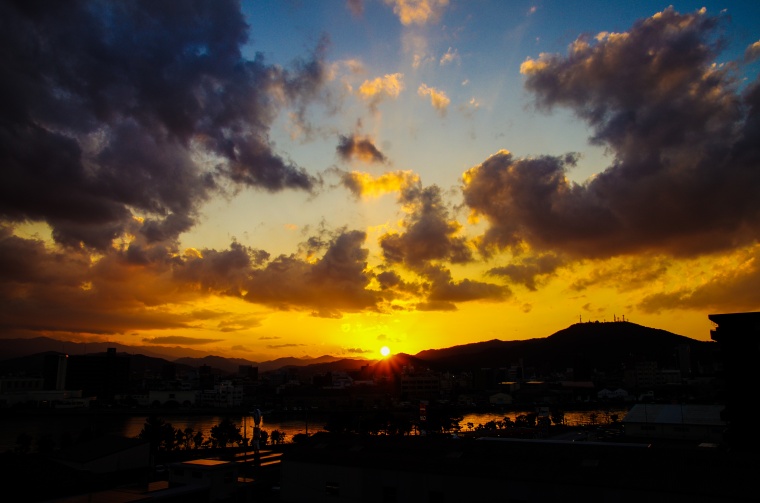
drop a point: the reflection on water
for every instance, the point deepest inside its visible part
(572, 418)
(130, 426)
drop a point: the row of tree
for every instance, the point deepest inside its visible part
(163, 437)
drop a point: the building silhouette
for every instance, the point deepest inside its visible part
(100, 374)
(738, 335)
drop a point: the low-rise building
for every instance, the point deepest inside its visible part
(219, 478)
(108, 454)
(447, 469)
(701, 423)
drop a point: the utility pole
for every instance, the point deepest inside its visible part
(245, 443)
(256, 436)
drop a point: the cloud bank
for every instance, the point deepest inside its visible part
(684, 139)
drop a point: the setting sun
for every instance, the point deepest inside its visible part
(385, 351)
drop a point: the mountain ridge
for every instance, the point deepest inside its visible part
(581, 345)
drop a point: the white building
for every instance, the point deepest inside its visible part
(700, 423)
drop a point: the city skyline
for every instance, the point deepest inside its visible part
(268, 179)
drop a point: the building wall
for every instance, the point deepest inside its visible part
(738, 335)
(164, 396)
(102, 375)
(698, 432)
(219, 477)
(315, 483)
(127, 459)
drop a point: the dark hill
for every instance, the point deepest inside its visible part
(395, 363)
(13, 348)
(582, 346)
(139, 365)
(231, 365)
(343, 365)
(226, 365)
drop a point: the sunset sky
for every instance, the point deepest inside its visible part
(301, 178)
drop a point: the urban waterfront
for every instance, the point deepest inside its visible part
(57, 425)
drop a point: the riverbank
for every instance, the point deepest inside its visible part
(599, 407)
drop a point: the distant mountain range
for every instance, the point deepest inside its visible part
(582, 346)
(22, 348)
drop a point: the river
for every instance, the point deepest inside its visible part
(57, 425)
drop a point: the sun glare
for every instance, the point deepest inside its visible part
(385, 351)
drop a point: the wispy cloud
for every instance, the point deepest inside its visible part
(438, 98)
(418, 12)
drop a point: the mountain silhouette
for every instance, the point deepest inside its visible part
(584, 347)
(231, 365)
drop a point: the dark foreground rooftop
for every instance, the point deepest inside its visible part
(428, 469)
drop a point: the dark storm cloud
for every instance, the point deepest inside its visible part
(443, 288)
(429, 233)
(361, 148)
(529, 270)
(436, 306)
(532, 200)
(178, 339)
(390, 280)
(735, 289)
(684, 138)
(358, 351)
(221, 272)
(115, 108)
(441, 292)
(330, 284)
(636, 272)
(46, 292)
(337, 282)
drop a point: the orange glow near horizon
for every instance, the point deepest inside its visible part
(383, 206)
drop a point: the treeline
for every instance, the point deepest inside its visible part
(161, 436)
(164, 438)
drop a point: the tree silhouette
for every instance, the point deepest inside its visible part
(558, 417)
(158, 433)
(198, 439)
(225, 433)
(187, 437)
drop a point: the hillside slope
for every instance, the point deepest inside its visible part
(582, 346)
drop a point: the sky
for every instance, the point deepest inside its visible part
(262, 179)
